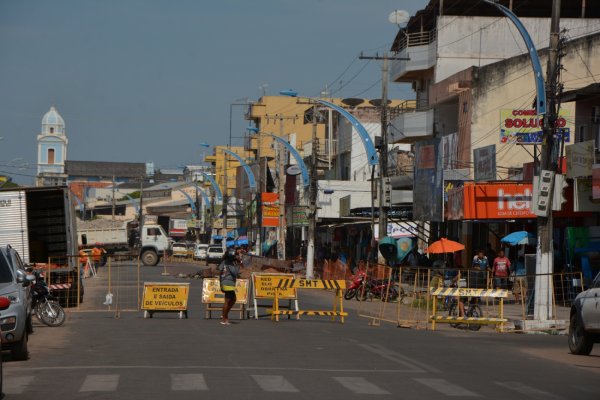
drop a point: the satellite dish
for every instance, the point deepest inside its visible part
(353, 102)
(399, 17)
(377, 102)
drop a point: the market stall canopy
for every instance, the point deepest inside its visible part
(445, 246)
(519, 238)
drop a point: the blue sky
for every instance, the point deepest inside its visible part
(148, 80)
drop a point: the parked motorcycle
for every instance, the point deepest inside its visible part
(382, 289)
(44, 304)
(357, 282)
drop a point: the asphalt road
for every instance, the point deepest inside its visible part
(98, 356)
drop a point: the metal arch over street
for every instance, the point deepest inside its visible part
(215, 186)
(244, 164)
(535, 60)
(296, 155)
(134, 202)
(204, 195)
(190, 200)
(362, 132)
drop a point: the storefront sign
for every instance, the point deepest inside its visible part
(428, 182)
(300, 216)
(580, 158)
(397, 230)
(525, 127)
(485, 163)
(270, 209)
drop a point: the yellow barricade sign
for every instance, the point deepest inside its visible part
(165, 297)
(211, 291)
(265, 284)
(285, 284)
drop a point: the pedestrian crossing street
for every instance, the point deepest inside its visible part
(358, 385)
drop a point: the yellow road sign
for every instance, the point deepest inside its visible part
(311, 284)
(265, 284)
(165, 296)
(211, 291)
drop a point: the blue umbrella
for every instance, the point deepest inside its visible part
(520, 237)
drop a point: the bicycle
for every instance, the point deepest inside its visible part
(472, 310)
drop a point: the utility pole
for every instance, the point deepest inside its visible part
(312, 198)
(383, 159)
(281, 250)
(141, 216)
(545, 253)
(225, 196)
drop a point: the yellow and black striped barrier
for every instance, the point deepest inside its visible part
(472, 320)
(292, 283)
(468, 292)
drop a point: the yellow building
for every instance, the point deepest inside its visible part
(291, 117)
(221, 162)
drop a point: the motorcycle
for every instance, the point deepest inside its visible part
(44, 304)
(382, 289)
(357, 282)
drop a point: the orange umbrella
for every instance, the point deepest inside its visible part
(445, 246)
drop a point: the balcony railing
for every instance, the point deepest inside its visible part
(417, 39)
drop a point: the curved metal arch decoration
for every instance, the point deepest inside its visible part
(204, 195)
(190, 200)
(535, 60)
(215, 186)
(362, 132)
(244, 164)
(296, 155)
(133, 202)
(79, 202)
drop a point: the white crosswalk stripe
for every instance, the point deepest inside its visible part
(100, 383)
(16, 384)
(188, 382)
(445, 387)
(527, 390)
(274, 383)
(359, 385)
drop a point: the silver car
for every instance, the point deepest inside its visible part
(584, 327)
(15, 322)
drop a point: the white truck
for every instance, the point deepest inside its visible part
(39, 224)
(152, 246)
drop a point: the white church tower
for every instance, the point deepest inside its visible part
(52, 150)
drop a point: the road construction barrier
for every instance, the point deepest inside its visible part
(263, 287)
(468, 292)
(213, 298)
(292, 283)
(165, 297)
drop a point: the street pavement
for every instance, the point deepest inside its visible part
(121, 355)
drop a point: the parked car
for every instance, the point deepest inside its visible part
(4, 304)
(214, 253)
(15, 322)
(584, 327)
(200, 251)
(180, 250)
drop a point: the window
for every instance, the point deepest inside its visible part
(153, 232)
(50, 156)
(51, 129)
(5, 272)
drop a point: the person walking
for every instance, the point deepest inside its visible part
(501, 271)
(228, 273)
